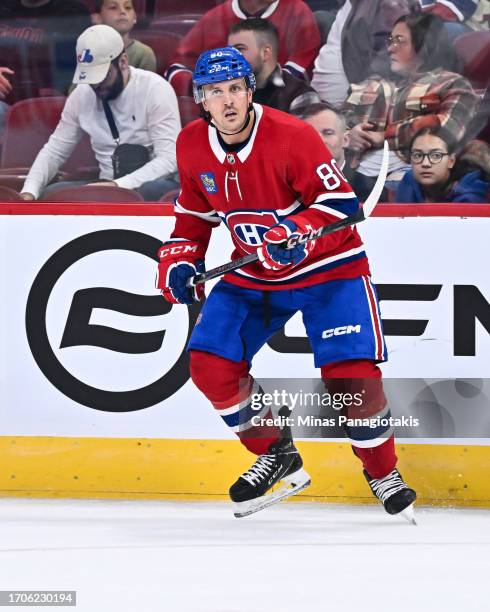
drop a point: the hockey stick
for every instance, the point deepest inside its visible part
(363, 213)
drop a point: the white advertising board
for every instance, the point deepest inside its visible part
(89, 348)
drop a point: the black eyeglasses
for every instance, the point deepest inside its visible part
(434, 157)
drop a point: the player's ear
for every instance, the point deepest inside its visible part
(346, 139)
(96, 19)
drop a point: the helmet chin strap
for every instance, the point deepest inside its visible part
(244, 126)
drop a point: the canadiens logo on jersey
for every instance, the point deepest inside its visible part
(209, 182)
(249, 227)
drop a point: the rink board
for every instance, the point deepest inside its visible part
(449, 475)
(83, 417)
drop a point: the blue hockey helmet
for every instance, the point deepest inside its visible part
(218, 65)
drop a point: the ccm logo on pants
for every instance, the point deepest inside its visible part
(340, 331)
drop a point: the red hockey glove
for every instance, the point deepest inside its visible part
(273, 255)
(180, 260)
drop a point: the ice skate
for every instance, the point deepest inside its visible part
(394, 494)
(283, 464)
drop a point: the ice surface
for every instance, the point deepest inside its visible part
(183, 556)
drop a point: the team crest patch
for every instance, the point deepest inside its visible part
(209, 182)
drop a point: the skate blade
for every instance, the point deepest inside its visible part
(408, 515)
(291, 485)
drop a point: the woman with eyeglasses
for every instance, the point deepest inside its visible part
(437, 175)
(424, 91)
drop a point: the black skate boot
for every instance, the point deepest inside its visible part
(394, 494)
(282, 463)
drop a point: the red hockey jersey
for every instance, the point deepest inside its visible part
(285, 170)
(299, 37)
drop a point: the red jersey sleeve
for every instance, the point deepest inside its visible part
(315, 176)
(194, 216)
(323, 189)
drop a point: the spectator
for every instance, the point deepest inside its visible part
(424, 93)
(41, 30)
(437, 175)
(5, 89)
(299, 38)
(453, 12)
(120, 15)
(355, 46)
(330, 123)
(257, 39)
(144, 108)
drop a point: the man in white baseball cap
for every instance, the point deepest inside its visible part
(97, 47)
(131, 116)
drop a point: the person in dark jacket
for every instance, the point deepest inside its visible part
(257, 40)
(438, 175)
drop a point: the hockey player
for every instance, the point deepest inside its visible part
(267, 176)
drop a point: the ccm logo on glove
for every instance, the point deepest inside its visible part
(179, 262)
(177, 249)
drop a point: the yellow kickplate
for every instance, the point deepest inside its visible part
(130, 468)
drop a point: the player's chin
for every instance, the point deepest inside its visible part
(230, 123)
(231, 127)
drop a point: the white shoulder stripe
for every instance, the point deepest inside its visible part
(287, 211)
(334, 196)
(210, 216)
(330, 211)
